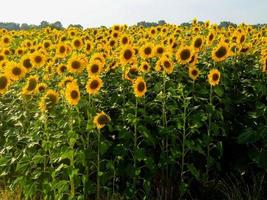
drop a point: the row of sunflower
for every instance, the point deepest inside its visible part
(126, 110)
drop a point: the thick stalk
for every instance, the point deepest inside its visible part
(135, 143)
(98, 166)
(209, 130)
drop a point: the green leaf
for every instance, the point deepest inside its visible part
(219, 91)
(248, 136)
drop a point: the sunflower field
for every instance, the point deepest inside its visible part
(128, 112)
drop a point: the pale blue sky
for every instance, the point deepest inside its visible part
(108, 12)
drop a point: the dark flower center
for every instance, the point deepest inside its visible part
(94, 84)
(127, 54)
(141, 86)
(3, 82)
(74, 94)
(221, 52)
(75, 64)
(185, 54)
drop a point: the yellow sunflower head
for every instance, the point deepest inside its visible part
(61, 50)
(15, 71)
(93, 85)
(193, 73)
(4, 82)
(139, 86)
(221, 52)
(77, 43)
(94, 68)
(76, 63)
(198, 43)
(214, 77)
(146, 51)
(72, 93)
(61, 69)
(41, 87)
(38, 59)
(31, 85)
(65, 81)
(145, 67)
(159, 50)
(127, 54)
(184, 54)
(166, 65)
(101, 120)
(50, 99)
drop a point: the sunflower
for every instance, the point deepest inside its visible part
(198, 43)
(61, 69)
(241, 38)
(112, 43)
(166, 65)
(139, 86)
(211, 37)
(4, 82)
(61, 50)
(245, 48)
(184, 54)
(159, 50)
(221, 52)
(158, 66)
(20, 51)
(72, 93)
(47, 44)
(131, 73)
(50, 98)
(68, 79)
(37, 59)
(15, 71)
(41, 87)
(88, 47)
(193, 73)
(76, 63)
(31, 85)
(2, 57)
(6, 40)
(93, 85)
(98, 56)
(124, 40)
(94, 68)
(214, 77)
(77, 43)
(115, 34)
(127, 54)
(101, 119)
(194, 59)
(146, 51)
(145, 67)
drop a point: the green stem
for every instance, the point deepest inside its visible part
(164, 122)
(72, 184)
(209, 130)
(98, 166)
(135, 142)
(183, 139)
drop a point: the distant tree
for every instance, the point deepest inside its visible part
(44, 24)
(225, 24)
(10, 26)
(57, 25)
(75, 26)
(161, 22)
(186, 24)
(24, 26)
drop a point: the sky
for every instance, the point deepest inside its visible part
(93, 13)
